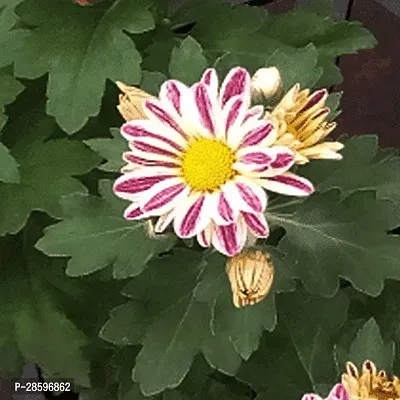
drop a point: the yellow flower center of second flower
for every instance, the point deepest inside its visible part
(208, 164)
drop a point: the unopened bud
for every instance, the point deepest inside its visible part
(131, 102)
(265, 83)
(251, 274)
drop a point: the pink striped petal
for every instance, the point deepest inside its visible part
(317, 97)
(339, 392)
(246, 195)
(210, 78)
(132, 158)
(224, 212)
(256, 156)
(171, 92)
(163, 222)
(232, 118)
(257, 224)
(230, 239)
(204, 237)
(149, 129)
(155, 110)
(283, 160)
(192, 217)
(135, 183)
(205, 108)
(164, 196)
(133, 212)
(253, 113)
(288, 184)
(149, 145)
(258, 134)
(237, 82)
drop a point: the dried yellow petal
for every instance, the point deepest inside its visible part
(131, 102)
(369, 384)
(251, 274)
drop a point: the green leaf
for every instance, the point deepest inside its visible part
(329, 238)
(312, 323)
(368, 344)
(187, 61)
(221, 26)
(306, 25)
(333, 103)
(275, 370)
(175, 322)
(31, 311)
(10, 89)
(95, 234)
(110, 150)
(89, 43)
(242, 327)
(152, 81)
(8, 166)
(11, 40)
(169, 346)
(362, 167)
(297, 66)
(45, 177)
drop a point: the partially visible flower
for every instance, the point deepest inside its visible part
(204, 160)
(131, 102)
(84, 2)
(338, 392)
(251, 274)
(265, 83)
(300, 119)
(370, 384)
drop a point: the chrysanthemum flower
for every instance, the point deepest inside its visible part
(370, 384)
(205, 159)
(300, 119)
(338, 392)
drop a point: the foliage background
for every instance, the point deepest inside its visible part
(89, 297)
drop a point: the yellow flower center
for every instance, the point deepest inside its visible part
(208, 164)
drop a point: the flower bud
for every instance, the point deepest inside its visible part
(131, 102)
(251, 274)
(266, 82)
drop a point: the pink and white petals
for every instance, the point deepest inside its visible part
(230, 239)
(141, 129)
(157, 112)
(206, 110)
(204, 237)
(223, 209)
(260, 132)
(257, 224)
(193, 216)
(311, 397)
(164, 196)
(246, 195)
(338, 392)
(133, 184)
(210, 79)
(172, 93)
(288, 184)
(133, 212)
(237, 82)
(163, 222)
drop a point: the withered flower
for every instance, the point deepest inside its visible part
(251, 274)
(370, 384)
(131, 102)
